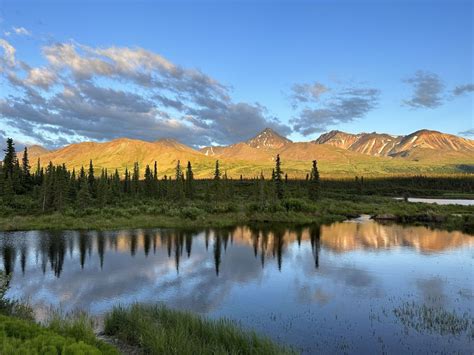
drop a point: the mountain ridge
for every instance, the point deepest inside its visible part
(341, 153)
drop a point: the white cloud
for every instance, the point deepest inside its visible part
(106, 93)
(8, 53)
(21, 31)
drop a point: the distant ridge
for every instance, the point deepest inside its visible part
(338, 153)
(381, 144)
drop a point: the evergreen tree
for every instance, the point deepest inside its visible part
(84, 198)
(60, 187)
(38, 173)
(136, 179)
(156, 182)
(217, 172)
(279, 188)
(103, 191)
(261, 191)
(115, 187)
(126, 182)
(91, 179)
(47, 189)
(72, 189)
(149, 182)
(179, 181)
(217, 182)
(10, 159)
(25, 169)
(189, 181)
(314, 186)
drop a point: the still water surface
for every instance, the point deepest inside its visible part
(440, 201)
(356, 287)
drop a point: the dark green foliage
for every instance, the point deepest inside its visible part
(10, 159)
(314, 186)
(26, 180)
(217, 171)
(91, 180)
(179, 182)
(277, 178)
(189, 190)
(84, 197)
(135, 185)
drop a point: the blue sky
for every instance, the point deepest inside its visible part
(300, 67)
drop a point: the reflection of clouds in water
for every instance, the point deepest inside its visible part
(117, 269)
(432, 291)
(125, 279)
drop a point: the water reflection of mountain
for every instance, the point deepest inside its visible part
(49, 249)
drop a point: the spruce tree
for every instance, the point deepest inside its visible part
(72, 189)
(217, 182)
(149, 182)
(179, 181)
(10, 159)
(126, 182)
(314, 186)
(84, 198)
(91, 180)
(279, 188)
(189, 181)
(217, 172)
(136, 179)
(25, 169)
(115, 185)
(103, 191)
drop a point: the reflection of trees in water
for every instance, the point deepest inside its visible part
(264, 242)
(9, 256)
(315, 235)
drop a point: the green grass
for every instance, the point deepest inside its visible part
(198, 214)
(159, 330)
(18, 336)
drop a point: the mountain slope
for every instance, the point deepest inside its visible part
(338, 154)
(268, 139)
(380, 144)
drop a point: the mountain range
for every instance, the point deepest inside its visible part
(338, 153)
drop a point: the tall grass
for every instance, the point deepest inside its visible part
(159, 330)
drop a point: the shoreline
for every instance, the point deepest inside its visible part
(59, 222)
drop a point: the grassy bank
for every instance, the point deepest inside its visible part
(140, 328)
(190, 214)
(18, 336)
(158, 330)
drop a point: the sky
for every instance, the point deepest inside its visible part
(218, 72)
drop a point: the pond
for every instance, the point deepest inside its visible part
(356, 286)
(440, 201)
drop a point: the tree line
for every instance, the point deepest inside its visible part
(55, 187)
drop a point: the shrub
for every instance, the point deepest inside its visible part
(26, 337)
(191, 212)
(295, 205)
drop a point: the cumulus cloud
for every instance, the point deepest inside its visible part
(104, 93)
(427, 90)
(463, 89)
(342, 105)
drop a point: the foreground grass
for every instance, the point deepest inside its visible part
(159, 330)
(195, 214)
(20, 336)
